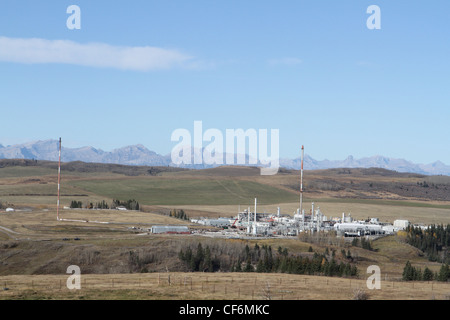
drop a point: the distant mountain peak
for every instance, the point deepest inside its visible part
(140, 155)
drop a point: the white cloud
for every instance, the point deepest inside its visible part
(101, 55)
(288, 61)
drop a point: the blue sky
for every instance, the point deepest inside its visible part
(311, 69)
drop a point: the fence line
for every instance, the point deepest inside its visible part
(220, 286)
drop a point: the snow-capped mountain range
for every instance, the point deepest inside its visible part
(140, 155)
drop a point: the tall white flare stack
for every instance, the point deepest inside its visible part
(248, 221)
(254, 224)
(301, 189)
(301, 180)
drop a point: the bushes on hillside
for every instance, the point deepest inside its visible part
(434, 241)
(264, 260)
(411, 273)
(179, 214)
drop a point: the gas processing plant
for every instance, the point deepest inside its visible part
(251, 223)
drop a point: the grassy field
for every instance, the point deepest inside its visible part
(204, 286)
(43, 224)
(184, 191)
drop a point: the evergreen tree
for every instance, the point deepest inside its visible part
(207, 263)
(427, 275)
(408, 273)
(248, 266)
(411, 273)
(246, 253)
(238, 267)
(444, 273)
(199, 257)
(260, 267)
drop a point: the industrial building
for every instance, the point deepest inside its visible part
(401, 224)
(248, 223)
(358, 229)
(169, 229)
(221, 222)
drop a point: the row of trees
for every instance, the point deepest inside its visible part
(201, 260)
(411, 273)
(129, 205)
(363, 243)
(76, 204)
(434, 241)
(179, 214)
(264, 260)
(426, 185)
(102, 205)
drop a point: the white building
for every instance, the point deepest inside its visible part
(389, 229)
(170, 229)
(401, 224)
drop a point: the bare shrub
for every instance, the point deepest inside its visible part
(266, 293)
(359, 294)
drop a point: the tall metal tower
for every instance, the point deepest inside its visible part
(59, 181)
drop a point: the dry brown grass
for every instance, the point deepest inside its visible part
(43, 224)
(219, 286)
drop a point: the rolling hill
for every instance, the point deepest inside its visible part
(139, 155)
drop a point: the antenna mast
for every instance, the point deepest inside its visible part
(59, 181)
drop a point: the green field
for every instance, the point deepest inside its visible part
(19, 172)
(156, 191)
